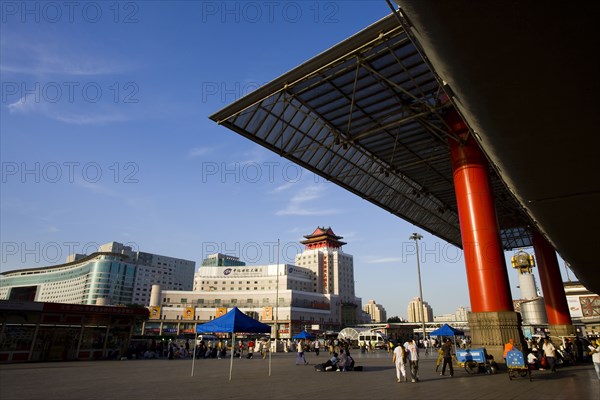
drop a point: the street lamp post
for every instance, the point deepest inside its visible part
(416, 237)
(277, 300)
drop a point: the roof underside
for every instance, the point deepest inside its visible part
(367, 116)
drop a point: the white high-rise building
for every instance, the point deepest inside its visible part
(414, 315)
(376, 311)
(334, 270)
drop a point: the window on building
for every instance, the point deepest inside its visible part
(184, 301)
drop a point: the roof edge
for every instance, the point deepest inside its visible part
(317, 62)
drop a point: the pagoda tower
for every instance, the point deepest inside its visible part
(333, 269)
(321, 238)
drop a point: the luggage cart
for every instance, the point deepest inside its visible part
(515, 363)
(475, 361)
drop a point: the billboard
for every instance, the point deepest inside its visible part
(220, 312)
(154, 312)
(188, 313)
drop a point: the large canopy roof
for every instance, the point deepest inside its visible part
(367, 115)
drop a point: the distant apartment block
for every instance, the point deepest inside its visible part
(375, 311)
(414, 315)
(460, 315)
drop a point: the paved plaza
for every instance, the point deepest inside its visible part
(170, 379)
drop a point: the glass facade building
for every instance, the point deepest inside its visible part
(101, 278)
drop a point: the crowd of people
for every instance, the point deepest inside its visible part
(543, 354)
(540, 354)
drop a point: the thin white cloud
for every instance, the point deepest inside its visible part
(25, 104)
(55, 68)
(96, 188)
(283, 187)
(200, 151)
(50, 229)
(384, 260)
(298, 206)
(98, 119)
(26, 56)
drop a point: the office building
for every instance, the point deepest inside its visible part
(317, 293)
(114, 275)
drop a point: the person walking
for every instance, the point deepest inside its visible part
(264, 348)
(550, 354)
(412, 355)
(595, 352)
(399, 360)
(241, 347)
(440, 359)
(447, 354)
(300, 352)
(317, 346)
(250, 349)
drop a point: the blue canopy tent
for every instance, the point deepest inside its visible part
(232, 322)
(304, 335)
(447, 330)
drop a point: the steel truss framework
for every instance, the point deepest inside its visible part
(367, 115)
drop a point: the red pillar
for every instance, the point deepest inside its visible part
(555, 298)
(489, 288)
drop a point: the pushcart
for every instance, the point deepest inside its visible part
(515, 363)
(475, 361)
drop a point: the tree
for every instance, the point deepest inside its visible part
(394, 319)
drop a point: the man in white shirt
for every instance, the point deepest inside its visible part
(550, 354)
(412, 355)
(595, 351)
(398, 359)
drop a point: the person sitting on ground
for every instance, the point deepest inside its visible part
(332, 362)
(532, 360)
(343, 362)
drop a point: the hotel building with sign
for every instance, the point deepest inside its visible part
(317, 292)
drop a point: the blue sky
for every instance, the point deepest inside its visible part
(105, 137)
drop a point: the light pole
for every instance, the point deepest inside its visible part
(277, 300)
(416, 237)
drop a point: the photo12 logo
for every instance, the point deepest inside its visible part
(253, 252)
(69, 172)
(54, 12)
(255, 12)
(254, 172)
(20, 94)
(48, 252)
